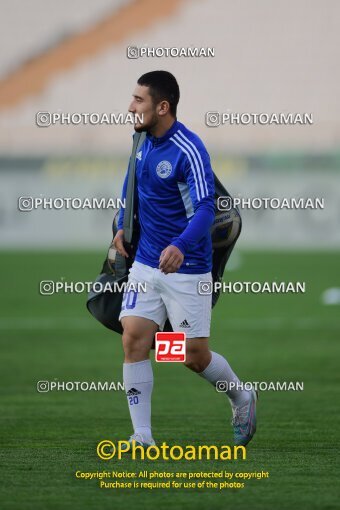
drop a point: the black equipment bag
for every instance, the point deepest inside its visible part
(104, 305)
(230, 229)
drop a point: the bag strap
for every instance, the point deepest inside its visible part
(138, 140)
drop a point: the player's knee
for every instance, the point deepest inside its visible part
(131, 340)
(136, 345)
(196, 358)
(192, 364)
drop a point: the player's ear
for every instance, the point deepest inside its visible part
(163, 108)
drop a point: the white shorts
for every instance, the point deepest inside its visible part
(174, 296)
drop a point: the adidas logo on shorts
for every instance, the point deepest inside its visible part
(132, 392)
(184, 324)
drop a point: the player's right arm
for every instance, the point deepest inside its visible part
(118, 240)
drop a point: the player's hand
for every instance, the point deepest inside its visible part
(171, 259)
(118, 243)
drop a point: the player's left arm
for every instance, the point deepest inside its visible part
(199, 176)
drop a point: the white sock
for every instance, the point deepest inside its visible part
(220, 370)
(138, 383)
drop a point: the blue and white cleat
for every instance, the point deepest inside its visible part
(140, 441)
(244, 420)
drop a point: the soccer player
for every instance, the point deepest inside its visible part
(175, 200)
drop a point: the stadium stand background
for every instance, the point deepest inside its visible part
(71, 57)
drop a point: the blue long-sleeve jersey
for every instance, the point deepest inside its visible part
(175, 199)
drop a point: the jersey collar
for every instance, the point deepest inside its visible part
(158, 141)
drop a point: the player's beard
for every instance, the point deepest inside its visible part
(147, 126)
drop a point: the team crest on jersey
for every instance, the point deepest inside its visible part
(164, 169)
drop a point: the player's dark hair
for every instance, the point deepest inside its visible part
(162, 86)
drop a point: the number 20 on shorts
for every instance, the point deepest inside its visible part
(129, 299)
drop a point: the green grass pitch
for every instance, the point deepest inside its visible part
(46, 437)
